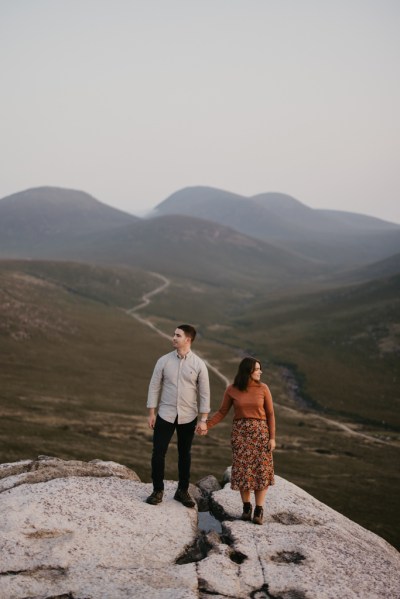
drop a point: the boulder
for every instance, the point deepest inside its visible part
(303, 550)
(83, 531)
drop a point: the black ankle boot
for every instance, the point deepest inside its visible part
(258, 517)
(247, 509)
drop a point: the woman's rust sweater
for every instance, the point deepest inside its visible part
(255, 402)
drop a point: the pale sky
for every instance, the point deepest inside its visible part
(131, 100)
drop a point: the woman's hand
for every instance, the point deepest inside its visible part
(271, 445)
(201, 428)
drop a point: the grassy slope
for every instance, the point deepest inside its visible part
(75, 373)
(343, 346)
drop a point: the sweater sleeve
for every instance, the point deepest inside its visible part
(269, 410)
(223, 410)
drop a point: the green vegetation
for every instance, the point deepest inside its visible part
(344, 343)
(337, 352)
(75, 369)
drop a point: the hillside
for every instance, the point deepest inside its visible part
(332, 236)
(75, 371)
(377, 270)
(182, 246)
(342, 344)
(75, 367)
(36, 221)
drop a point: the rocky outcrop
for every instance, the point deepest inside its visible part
(79, 530)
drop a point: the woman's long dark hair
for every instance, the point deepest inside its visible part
(246, 368)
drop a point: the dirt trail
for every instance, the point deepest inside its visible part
(146, 299)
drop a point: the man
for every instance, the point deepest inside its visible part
(179, 382)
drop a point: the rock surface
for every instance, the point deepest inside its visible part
(79, 530)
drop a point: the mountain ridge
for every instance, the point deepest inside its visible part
(333, 236)
(35, 218)
(179, 245)
(222, 232)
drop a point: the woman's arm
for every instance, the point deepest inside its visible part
(269, 411)
(223, 410)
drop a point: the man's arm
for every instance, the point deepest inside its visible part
(152, 417)
(204, 401)
(154, 392)
(203, 385)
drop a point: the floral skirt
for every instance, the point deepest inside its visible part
(252, 464)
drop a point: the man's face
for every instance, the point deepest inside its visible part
(180, 341)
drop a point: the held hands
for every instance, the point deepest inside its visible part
(201, 429)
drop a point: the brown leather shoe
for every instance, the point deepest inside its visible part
(258, 517)
(247, 509)
(155, 498)
(184, 498)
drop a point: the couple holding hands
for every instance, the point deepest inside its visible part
(180, 391)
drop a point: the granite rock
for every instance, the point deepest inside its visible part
(84, 531)
(303, 550)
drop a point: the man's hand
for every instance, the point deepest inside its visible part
(151, 420)
(201, 428)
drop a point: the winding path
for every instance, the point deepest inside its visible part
(165, 283)
(146, 299)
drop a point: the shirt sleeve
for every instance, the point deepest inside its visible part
(223, 410)
(155, 384)
(204, 389)
(269, 410)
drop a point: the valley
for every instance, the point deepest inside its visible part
(86, 309)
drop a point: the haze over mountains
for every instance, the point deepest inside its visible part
(201, 233)
(330, 236)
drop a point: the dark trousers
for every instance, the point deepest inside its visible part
(163, 432)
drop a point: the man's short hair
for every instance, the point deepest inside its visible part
(188, 330)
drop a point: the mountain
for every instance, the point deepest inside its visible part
(268, 242)
(377, 270)
(43, 218)
(332, 236)
(197, 249)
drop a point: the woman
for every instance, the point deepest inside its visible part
(252, 438)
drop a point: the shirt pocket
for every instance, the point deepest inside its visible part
(189, 377)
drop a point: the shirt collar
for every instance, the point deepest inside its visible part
(184, 357)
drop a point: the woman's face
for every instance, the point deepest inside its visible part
(257, 372)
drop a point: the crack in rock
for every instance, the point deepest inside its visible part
(218, 511)
(204, 591)
(204, 543)
(54, 570)
(288, 557)
(195, 552)
(63, 596)
(237, 556)
(263, 593)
